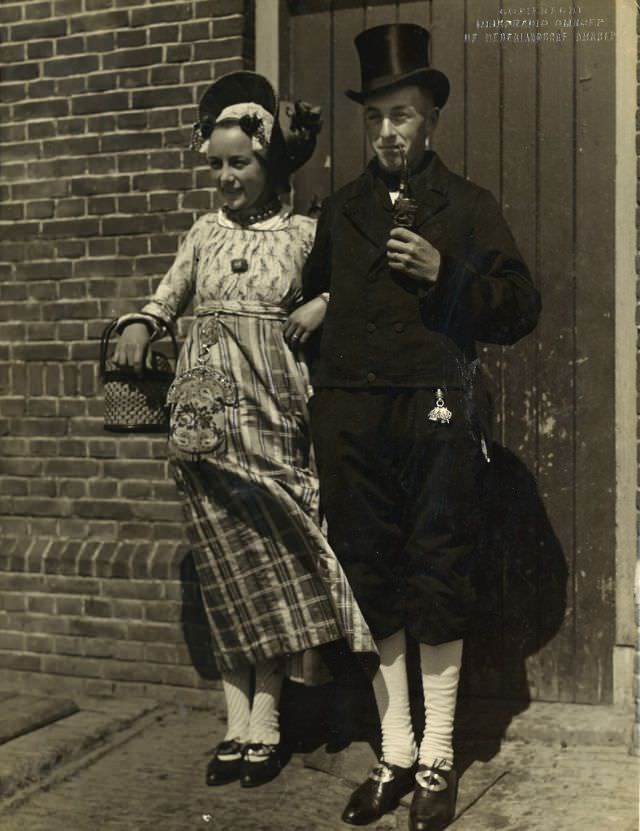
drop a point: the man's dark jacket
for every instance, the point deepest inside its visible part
(384, 329)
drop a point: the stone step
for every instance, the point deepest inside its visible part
(551, 722)
(20, 714)
(27, 759)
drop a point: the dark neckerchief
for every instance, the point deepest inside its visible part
(392, 180)
(385, 182)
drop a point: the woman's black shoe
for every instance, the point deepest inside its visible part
(260, 763)
(226, 763)
(434, 800)
(379, 793)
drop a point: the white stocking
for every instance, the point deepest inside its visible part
(236, 685)
(264, 725)
(391, 690)
(440, 667)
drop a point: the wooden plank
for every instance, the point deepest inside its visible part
(522, 575)
(626, 352)
(415, 12)
(311, 79)
(349, 154)
(553, 667)
(594, 364)
(448, 55)
(302, 7)
(483, 104)
(519, 123)
(378, 13)
(268, 44)
(482, 97)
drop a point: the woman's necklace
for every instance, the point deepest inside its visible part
(270, 209)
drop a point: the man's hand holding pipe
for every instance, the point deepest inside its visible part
(411, 254)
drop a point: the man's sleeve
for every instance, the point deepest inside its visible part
(489, 292)
(316, 274)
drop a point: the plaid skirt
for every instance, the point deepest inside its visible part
(271, 584)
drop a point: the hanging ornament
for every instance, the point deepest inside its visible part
(440, 412)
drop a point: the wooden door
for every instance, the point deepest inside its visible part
(534, 123)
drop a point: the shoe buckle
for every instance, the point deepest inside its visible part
(258, 753)
(229, 756)
(431, 780)
(381, 773)
(229, 751)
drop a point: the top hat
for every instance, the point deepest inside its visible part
(397, 54)
(295, 128)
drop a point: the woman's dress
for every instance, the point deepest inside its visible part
(239, 444)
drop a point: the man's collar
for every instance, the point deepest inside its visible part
(434, 176)
(428, 187)
(429, 174)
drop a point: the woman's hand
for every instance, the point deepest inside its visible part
(131, 347)
(413, 255)
(305, 320)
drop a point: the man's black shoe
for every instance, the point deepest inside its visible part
(434, 800)
(225, 764)
(379, 793)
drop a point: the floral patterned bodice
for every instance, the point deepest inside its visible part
(220, 261)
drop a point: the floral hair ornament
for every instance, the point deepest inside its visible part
(254, 120)
(305, 122)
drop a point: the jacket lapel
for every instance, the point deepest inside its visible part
(429, 189)
(374, 221)
(367, 212)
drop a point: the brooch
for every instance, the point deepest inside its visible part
(440, 412)
(239, 266)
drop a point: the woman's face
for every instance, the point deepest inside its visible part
(237, 172)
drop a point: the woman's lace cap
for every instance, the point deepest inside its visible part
(254, 120)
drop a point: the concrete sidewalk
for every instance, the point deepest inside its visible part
(133, 766)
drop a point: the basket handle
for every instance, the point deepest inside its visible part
(112, 327)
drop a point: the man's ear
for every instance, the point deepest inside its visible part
(431, 122)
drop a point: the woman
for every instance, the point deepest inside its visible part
(239, 438)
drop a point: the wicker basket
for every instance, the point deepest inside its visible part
(132, 403)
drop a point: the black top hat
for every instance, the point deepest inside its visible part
(397, 54)
(296, 126)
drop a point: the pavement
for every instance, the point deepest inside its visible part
(137, 765)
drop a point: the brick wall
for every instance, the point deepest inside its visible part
(97, 590)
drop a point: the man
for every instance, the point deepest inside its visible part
(400, 444)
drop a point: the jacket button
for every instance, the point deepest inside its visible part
(371, 327)
(372, 278)
(371, 377)
(399, 327)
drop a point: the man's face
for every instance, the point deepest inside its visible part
(399, 120)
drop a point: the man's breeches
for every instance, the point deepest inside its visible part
(402, 501)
